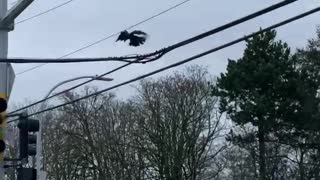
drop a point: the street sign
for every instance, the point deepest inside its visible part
(6, 82)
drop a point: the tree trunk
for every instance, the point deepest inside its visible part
(262, 152)
(301, 166)
(254, 163)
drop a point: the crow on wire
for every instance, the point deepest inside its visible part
(136, 38)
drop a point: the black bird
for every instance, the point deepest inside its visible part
(136, 38)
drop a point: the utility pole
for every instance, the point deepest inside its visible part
(7, 75)
(3, 66)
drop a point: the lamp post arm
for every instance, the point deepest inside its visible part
(64, 82)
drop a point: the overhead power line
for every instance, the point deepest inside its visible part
(44, 12)
(79, 60)
(110, 36)
(150, 55)
(190, 40)
(213, 31)
(181, 62)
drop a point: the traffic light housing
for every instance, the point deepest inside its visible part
(27, 174)
(3, 108)
(27, 138)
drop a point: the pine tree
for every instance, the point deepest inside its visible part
(258, 90)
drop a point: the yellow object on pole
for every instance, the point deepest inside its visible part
(3, 108)
(3, 73)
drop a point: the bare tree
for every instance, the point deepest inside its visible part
(171, 129)
(91, 140)
(179, 126)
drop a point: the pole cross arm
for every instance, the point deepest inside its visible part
(8, 20)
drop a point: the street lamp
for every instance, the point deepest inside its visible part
(42, 107)
(74, 79)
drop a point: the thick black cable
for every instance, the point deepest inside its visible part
(110, 36)
(214, 31)
(70, 60)
(166, 50)
(183, 61)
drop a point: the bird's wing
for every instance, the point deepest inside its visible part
(124, 35)
(137, 32)
(137, 41)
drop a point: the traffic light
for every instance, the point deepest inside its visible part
(27, 174)
(3, 108)
(27, 138)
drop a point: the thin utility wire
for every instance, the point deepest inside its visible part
(110, 36)
(216, 30)
(44, 12)
(190, 40)
(181, 62)
(126, 58)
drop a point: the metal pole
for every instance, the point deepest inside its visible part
(39, 164)
(74, 79)
(3, 66)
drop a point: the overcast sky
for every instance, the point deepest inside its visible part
(82, 22)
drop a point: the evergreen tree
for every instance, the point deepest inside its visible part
(307, 126)
(258, 90)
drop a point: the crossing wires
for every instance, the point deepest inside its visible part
(44, 12)
(111, 35)
(150, 57)
(181, 62)
(177, 45)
